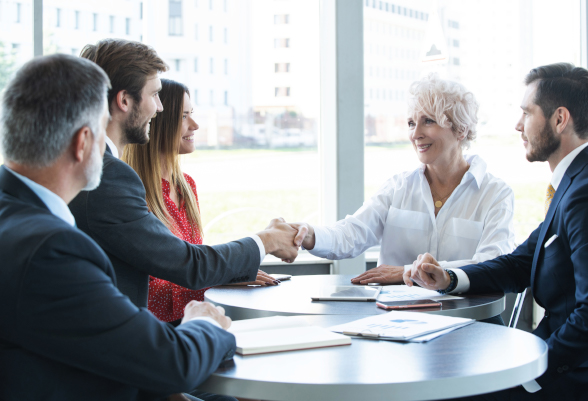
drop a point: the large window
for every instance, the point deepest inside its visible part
(175, 17)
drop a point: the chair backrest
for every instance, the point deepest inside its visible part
(516, 310)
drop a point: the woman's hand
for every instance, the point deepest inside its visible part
(262, 278)
(382, 274)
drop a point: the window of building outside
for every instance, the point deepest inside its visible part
(94, 22)
(175, 18)
(18, 12)
(196, 64)
(128, 26)
(76, 20)
(178, 64)
(282, 91)
(282, 67)
(196, 32)
(226, 98)
(210, 4)
(281, 19)
(210, 28)
(111, 24)
(58, 17)
(488, 47)
(225, 36)
(194, 97)
(211, 65)
(281, 42)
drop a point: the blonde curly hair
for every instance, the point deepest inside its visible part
(449, 103)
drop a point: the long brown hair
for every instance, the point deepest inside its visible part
(164, 140)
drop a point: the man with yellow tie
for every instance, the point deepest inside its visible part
(554, 259)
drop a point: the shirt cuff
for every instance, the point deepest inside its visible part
(463, 281)
(532, 386)
(407, 268)
(209, 320)
(322, 242)
(259, 243)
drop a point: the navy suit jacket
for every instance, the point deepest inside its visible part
(557, 274)
(115, 215)
(67, 333)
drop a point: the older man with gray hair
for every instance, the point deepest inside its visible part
(67, 332)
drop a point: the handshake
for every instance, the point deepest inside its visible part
(283, 239)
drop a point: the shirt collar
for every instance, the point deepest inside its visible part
(112, 147)
(477, 169)
(563, 165)
(54, 203)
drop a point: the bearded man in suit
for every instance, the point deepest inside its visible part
(554, 259)
(116, 216)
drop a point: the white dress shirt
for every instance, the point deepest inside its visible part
(474, 224)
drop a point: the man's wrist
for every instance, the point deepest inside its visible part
(452, 282)
(266, 240)
(259, 242)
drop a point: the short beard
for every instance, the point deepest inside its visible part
(93, 170)
(133, 131)
(544, 146)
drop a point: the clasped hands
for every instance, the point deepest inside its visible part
(282, 239)
(427, 273)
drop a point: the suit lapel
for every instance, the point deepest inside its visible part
(580, 161)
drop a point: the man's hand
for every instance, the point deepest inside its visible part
(427, 273)
(383, 274)
(305, 236)
(278, 239)
(204, 309)
(263, 279)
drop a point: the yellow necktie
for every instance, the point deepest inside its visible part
(549, 197)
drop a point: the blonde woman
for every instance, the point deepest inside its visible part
(450, 206)
(171, 195)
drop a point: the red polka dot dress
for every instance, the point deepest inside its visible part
(168, 300)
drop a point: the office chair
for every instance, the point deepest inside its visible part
(516, 310)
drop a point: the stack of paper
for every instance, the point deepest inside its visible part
(402, 326)
(282, 333)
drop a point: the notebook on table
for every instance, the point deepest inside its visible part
(282, 333)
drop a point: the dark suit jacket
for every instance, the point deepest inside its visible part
(67, 332)
(115, 215)
(557, 274)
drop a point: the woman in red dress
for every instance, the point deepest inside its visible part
(171, 195)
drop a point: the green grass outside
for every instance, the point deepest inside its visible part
(291, 205)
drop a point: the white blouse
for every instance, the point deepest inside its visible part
(474, 225)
